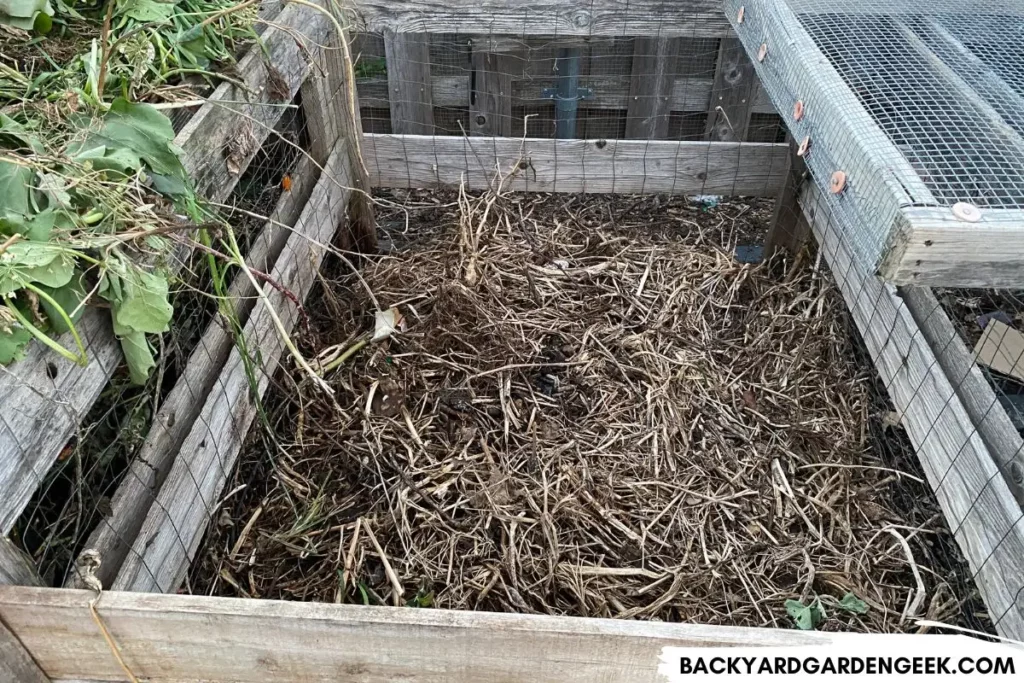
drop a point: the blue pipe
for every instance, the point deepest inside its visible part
(567, 94)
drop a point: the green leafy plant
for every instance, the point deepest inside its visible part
(29, 15)
(851, 603)
(807, 617)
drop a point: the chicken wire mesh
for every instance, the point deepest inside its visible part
(918, 104)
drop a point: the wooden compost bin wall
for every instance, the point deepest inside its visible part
(43, 398)
(681, 81)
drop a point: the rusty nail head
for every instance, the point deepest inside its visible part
(762, 52)
(798, 110)
(838, 182)
(805, 145)
(966, 212)
(739, 15)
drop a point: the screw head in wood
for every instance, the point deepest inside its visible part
(805, 146)
(967, 212)
(798, 110)
(837, 183)
(762, 52)
(739, 14)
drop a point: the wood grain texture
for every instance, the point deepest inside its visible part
(732, 94)
(978, 506)
(789, 230)
(409, 88)
(177, 638)
(935, 249)
(623, 166)
(688, 94)
(162, 551)
(997, 431)
(16, 568)
(650, 88)
(16, 664)
(490, 95)
(692, 18)
(43, 397)
(117, 529)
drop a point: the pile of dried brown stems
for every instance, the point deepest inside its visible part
(593, 410)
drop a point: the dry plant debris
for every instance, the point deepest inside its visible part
(593, 410)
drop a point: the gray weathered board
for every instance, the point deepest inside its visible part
(541, 165)
(174, 527)
(692, 18)
(733, 94)
(43, 397)
(16, 664)
(409, 88)
(689, 94)
(979, 507)
(179, 638)
(130, 504)
(650, 88)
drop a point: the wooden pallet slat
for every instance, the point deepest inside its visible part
(409, 87)
(623, 166)
(174, 527)
(732, 93)
(650, 88)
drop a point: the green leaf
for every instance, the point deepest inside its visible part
(41, 262)
(13, 338)
(137, 354)
(15, 182)
(139, 298)
(24, 14)
(69, 297)
(851, 603)
(103, 159)
(805, 616)
(140, 129)
(52, 185)
(149, 11)
(37, 227)
(14, 135)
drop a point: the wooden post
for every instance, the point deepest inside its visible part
(650, 88)
(16, 664)
(409, 86)
(16, 567)
(490, 94)
(789, 229)
(331, 108)
(732, 95)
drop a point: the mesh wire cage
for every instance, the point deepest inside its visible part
(911, 115)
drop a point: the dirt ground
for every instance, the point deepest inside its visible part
(589, 408)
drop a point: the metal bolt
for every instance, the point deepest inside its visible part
(837, 183)
(762, 52)
(805, 146)
(739, 15)
(798, 110)
(967, 212)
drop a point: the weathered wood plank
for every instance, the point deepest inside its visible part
(979, 507)
(16, 664)
(732, 93)
(43, 397)
(688, 94)
(693, 18)
(162, 551)
(650, 88)
(789, 230)
(408, 64)
(935, 249)
(490, 94)
(997, 431)
(118, 528)
(166, 638)
(623, 166)
(16, 568)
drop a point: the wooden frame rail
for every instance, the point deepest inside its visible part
(543, 165)
(178, 638)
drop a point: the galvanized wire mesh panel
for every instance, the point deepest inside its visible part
(918, 104)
